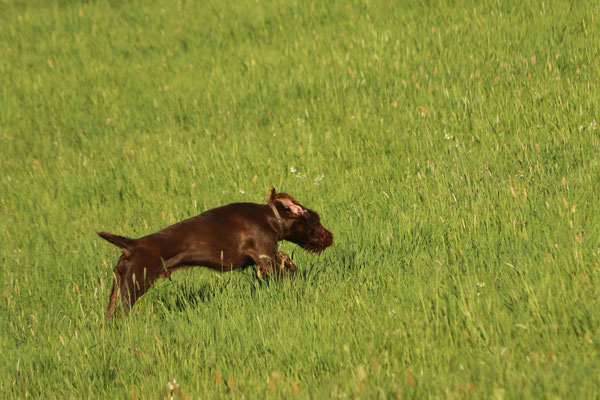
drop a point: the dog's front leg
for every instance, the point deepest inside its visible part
(284, 262)
(267, 263)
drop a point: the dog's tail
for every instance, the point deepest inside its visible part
(120, 241)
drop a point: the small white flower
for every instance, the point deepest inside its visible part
(481, 284)
(447, 137)
(319, 179)
(242, 192)
(293, 170)
(581, 128)
(593, 125)
(300, 176)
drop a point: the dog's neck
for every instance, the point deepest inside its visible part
(278, 218)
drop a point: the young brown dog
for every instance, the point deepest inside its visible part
(224, 238)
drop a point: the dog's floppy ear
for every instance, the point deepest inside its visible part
(294, 208)
(272, 196)
(287, 201)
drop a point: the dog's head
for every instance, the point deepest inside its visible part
(300, 224)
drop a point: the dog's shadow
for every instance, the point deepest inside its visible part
(181, 296)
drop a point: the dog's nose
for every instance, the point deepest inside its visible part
(328, 238)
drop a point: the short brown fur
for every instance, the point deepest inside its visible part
(224, 238)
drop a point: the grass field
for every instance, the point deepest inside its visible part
(451, 148)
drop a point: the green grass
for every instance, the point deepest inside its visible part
(458, 152)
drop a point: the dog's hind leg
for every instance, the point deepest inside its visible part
(140, 275)
(117, 285)
(112, 305)
(132, 277)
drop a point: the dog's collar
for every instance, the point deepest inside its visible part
(279, 220)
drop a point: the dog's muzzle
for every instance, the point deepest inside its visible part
(319, 240)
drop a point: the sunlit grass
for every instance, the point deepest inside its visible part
(451, 149)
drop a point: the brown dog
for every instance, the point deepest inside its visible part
(224, 238)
